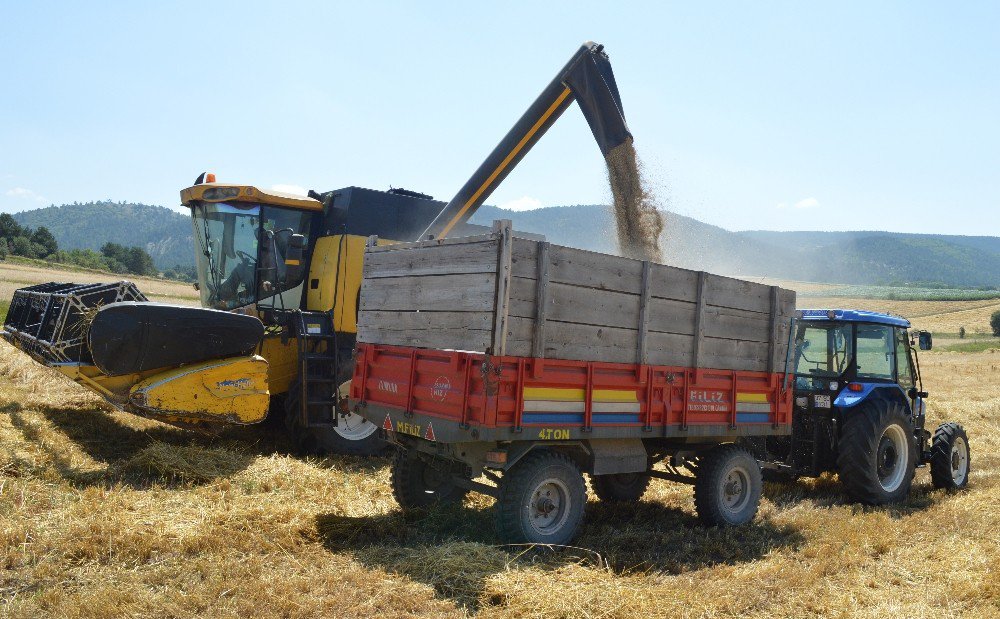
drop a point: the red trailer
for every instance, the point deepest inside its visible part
(541, 423)
(531, 364)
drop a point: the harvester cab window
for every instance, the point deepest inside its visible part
(876, 352)
(226, 257)
(277, 227)
(822, 351)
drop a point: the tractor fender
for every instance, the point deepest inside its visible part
(847, 399)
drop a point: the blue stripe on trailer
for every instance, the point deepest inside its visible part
(753, 417)
(604, 418)
(552, 418)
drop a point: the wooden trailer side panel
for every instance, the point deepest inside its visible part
(528, 298)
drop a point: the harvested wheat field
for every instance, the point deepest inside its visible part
(106, 515)
(14, 275)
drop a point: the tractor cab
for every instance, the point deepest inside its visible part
(843, 356)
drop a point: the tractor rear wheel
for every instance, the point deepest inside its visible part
(416, 484)
(877, 453)
(727, 486)
(950, 457)
(541, 500)
(620, 487)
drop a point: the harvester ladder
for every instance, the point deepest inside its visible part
(318, 366)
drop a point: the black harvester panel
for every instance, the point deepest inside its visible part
(135, 337)
(50, 321)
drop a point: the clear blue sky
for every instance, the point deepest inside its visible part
(748, 115)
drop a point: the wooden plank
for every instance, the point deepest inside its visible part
(615, 345)
(738, 294)
(541, 300)
(773, 331)
(699, 316)
(478, 257)
(502, 228)
(458, 240)
(459, 292)
(447, 330)
(644, 310)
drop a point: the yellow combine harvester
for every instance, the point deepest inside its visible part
(279, 277)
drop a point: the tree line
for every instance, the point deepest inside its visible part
(18, 240)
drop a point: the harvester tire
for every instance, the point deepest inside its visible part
(877, 453)
(541, 500)
(321, 441)
(728, 486)
(950, 457)
(620, 487)
(416, 484)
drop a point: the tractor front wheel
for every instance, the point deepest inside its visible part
(950, 457)
(352, 436)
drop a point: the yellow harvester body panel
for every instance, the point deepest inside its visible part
(334, 281)
(233, 390)
(282, 362)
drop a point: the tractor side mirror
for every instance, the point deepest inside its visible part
(924, 340)
(294, 258)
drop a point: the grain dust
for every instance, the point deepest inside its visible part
(638, 220)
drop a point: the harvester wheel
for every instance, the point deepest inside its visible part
(728, 486)
(877, 453)
(541, 499)
(620, 487)
(353, 435)
(950, 457)
(415, 483)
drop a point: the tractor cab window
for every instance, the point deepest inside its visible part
(904, 362)
(876, 352)
(822, 351)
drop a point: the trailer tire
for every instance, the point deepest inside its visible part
(728, 486)
(417, 484)
(950, 457)
(620, 487)
(541, 500)
(345, 439)
(877, 453)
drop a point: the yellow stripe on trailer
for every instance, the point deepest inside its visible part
(563, 394)
(752, 397)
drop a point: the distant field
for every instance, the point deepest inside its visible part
(14, 275)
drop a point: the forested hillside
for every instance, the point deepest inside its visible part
(164, 233)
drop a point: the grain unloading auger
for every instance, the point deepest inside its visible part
(285, 271)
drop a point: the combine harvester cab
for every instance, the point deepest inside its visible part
(111, 340)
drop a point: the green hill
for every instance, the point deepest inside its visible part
(164, 233)
(849, 257)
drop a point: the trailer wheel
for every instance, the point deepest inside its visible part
(415, 483)
(728, 486)
(876, 456)
(541, 500)
(352, 436)
(950, 457)
(620, 487)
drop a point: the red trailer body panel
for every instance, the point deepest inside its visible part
(474, 390)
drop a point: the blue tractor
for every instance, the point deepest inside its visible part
(859, 409)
